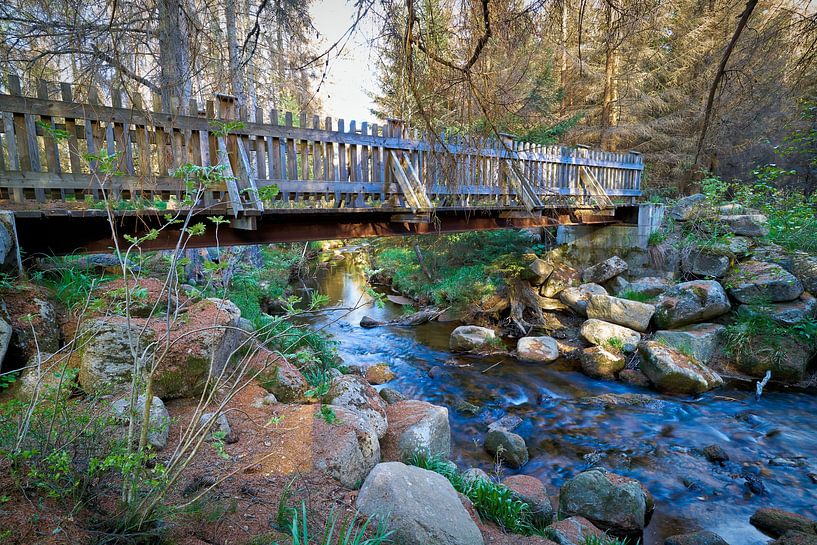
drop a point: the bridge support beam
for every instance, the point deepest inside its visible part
(10, 258)
(92, 234)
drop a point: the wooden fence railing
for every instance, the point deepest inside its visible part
(315, 163)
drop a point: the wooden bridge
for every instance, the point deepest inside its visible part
(61, 161)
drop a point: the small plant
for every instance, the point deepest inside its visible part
(328, 414)
(348, 531)
(616, 344)
(492, 501)
(607, 540)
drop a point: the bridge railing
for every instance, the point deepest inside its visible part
(316, 163)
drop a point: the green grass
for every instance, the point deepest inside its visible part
(616, 344)
(492, 501)
(634, 296)
(352, 530)
(607, 540)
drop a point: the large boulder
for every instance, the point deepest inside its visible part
(158, 419)
(804, 267)
(577, 297)
(601, 333)
(346, 449)
(33, 319)
(747, 225)
(650, 286)
(758, 281)
(789, 313)
(562, 277)
(604, 271)
(788, 358)
(611, 502)
(279, 377)
(53, 376)
(538, 271)
(688, 208)
(6, 242)
(795, 538)
(5, 339)
(691, 302)
(696, 538)
(201, 343)
(507, 446)
(701, 341)
(416, 427)
(421, 506)
(575, 531)
(355, 394)
(537, 349)
(704, 263)
(632, 314)
(105, 350)
(776, 522)
(532, 491)
(598, 362)
(675, 372)
(471, 337)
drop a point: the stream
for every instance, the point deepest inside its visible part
(655, 444)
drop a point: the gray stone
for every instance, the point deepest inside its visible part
(634, 377)
(804, 267)
(777, 522)
(221, 426)
(416, 427)
(795, 538)
(701, 341)
(604, 271)
(650, 286)
(632, 314)
(715, 453)
(537, 349)
(704, 263)
(474, 474)
(356, 395)
(5, 339)
(601, 333)
(748, 225)
(6, 242)
(539, 270)
(577, 297)
(550, 304)
(574, 531)
(421, 506)
(611, 502)
(508, 447)
(105, 359)
(674, 372)
(696, 538)
(789, 313)
(788, 359)
(508, 422)
(617, 285)
(158, 421)
(347, 449)
(390, 395)
(691, 302)
(470, 337)
(758, 281)
(532, 491)
(688, 208)
(598, 362)
(561, 278)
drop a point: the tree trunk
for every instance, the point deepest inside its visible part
(609, 108)
(563, 43)
(236, 77)
(174, 56)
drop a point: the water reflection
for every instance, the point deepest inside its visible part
(565, 434)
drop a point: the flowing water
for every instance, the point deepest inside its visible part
(654, 444)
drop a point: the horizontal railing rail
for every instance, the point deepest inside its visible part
(48, 145)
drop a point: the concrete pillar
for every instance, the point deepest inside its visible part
(650, 218)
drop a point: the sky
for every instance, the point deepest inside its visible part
(351, 71)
